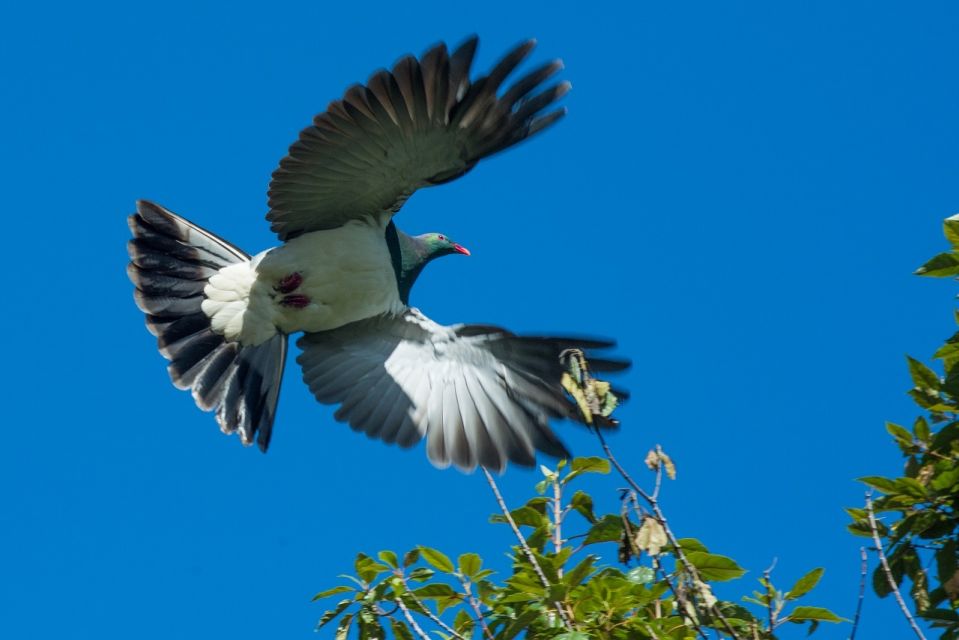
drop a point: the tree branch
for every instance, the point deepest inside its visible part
(525, 546)
(658, 514)
(476, 608)
(885, 567)
(864, 569)
(410, 620)
(426, 611)
(770, 593)
(557, 515)
(657, 565)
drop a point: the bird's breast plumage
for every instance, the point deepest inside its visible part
(315, 282)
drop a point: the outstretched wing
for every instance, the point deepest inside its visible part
(478, 394)
(421, 124)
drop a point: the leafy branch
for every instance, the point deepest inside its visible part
(652, 584)
(919, 523)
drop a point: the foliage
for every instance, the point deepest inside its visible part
(647, 594)
(920, 509)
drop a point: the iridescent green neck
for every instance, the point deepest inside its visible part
(409, 255)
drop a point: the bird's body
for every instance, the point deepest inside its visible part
(340, 275)
(478, 394)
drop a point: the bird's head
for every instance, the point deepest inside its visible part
(437, 244)
(412, 253)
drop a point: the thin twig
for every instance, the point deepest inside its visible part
(426, 611)
(525, 546)
(885, 568)
(770, 592)
(476, 608)
(863, 570)
(412, 622)
(659, 472)
(680, 598)
(557, 515)
(679, 594)
(658, 513)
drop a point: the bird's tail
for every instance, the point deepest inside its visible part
(171, 260)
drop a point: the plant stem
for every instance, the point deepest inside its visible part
(770, 595)
(863, 570)
(658, 513)
(522, 541)
(476, 608)
(557, 515)
(885, 568)
(429, 614)
(411, 621)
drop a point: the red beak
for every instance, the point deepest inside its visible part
(461, 249)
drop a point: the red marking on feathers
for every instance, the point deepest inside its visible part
(295, 300)
(289, 283)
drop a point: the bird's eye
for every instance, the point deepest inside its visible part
(442, 238)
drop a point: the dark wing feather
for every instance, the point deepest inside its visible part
(422, 123)
(480, 395)
(170, 261)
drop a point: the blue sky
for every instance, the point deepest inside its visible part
(752, 183)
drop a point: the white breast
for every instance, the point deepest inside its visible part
(347, 275)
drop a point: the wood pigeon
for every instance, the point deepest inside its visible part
(478, 394)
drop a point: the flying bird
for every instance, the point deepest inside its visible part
(478, 394)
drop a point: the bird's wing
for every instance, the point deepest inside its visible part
(480, 395)
(423, 123)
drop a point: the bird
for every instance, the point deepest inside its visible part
(480, 395)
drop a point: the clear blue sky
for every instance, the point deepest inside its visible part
(754, 184)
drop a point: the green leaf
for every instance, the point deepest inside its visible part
(411, 557)
(389, 558)
(691, 544)
(921, 428)
(434, 591)
(370, 627)
(331, 592)
(886, 485)
(421, 574)
(586, 465)
(582, 502)
(526, 515)
(521, 622)
(469, 564)
(715, 567)
(901, 434)
(367, 568)
(950, 228)
(400, 630)
(578, 573)
(946, 560)
(922, 376)
(438, 559)
(805, 584)
(641, 575)
(463, 623)
(590, 464)
(944, 439)
(343, 630)
(818, 614)
(332, 613)
(910, 487)
(573, 635)
(945, 480)
(880, 583)
(608, 529)
(941, 266)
